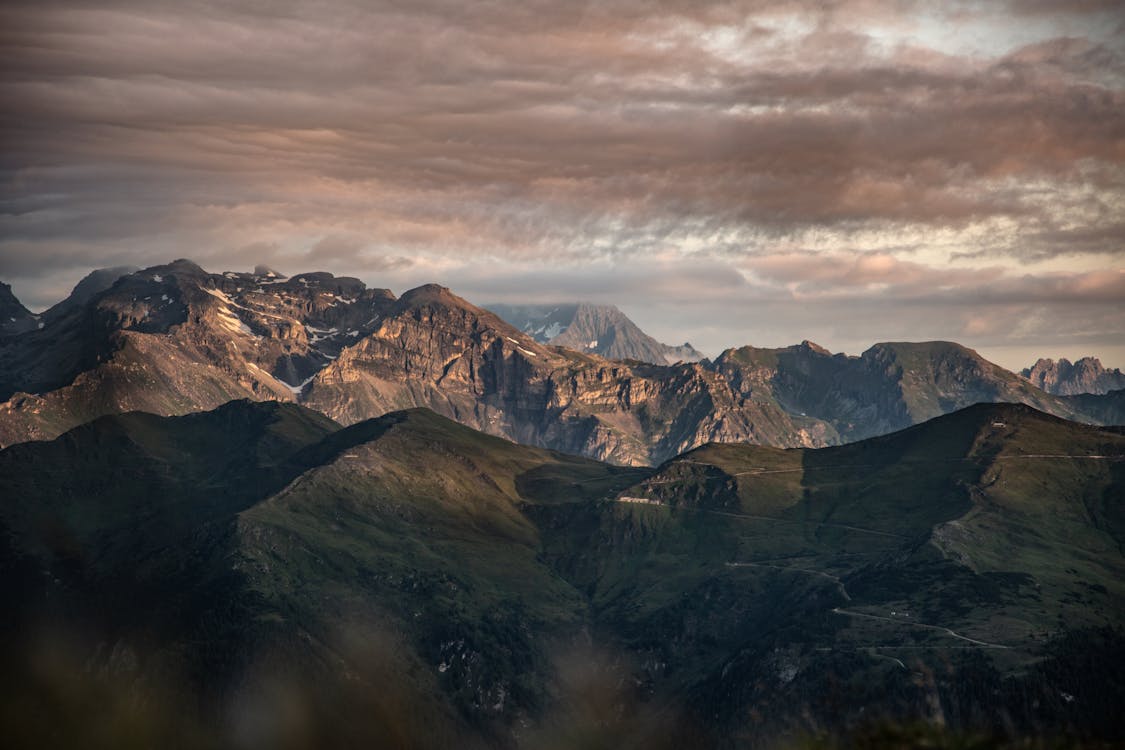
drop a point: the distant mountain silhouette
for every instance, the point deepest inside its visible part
(595, 329)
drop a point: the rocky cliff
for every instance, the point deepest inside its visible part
(436, 350)
(174, 339)
(14, 317)
(1064, 378)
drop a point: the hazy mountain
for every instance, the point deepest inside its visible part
(1065, 379)
(595, 329)
(92, 284)
(256, 576)
(889, 387)
(14, 317)
(174, 339)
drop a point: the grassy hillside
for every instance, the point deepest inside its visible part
(258, 576)
(906, 575)
(257, 556)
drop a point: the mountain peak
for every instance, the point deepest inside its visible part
(1064, 378)
(263, 270)
(180, 266)
(926, 346)
(92, 284)
(814, 347)
(599, 309)
(101, 278)
(342, 285)
(594, 329)
(428, 293)
(918, 351)
(14, 317)
(436, 295)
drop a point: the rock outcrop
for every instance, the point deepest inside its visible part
(1064, 378)
(14, 317)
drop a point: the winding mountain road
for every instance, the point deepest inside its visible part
(947, 631)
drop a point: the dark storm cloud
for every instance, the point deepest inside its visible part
(395, 140)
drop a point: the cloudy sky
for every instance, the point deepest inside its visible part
(844, 171)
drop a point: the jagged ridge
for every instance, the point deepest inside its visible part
(1063, 378)
(174, 339)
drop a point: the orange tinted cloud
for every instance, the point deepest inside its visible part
(395, 139)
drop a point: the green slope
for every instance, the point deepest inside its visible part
(257, 576)
(258, 556)
(831, 582)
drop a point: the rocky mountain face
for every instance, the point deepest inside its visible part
(595, 329)
(889, 387)
(17, 319)
(258, 576)
(1064, 378)
(174, 339)
(92, 284)
(433, 349)
(14, 317)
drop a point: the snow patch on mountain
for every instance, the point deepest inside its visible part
(296, 390)
(233, 323)
(548, 332)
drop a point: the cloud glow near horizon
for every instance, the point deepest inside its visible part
(726, 173)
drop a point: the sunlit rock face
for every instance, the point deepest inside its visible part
(174, 339)
(1064, 378)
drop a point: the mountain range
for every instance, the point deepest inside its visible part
(258, 575)
(174, 339)
(244, 510)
